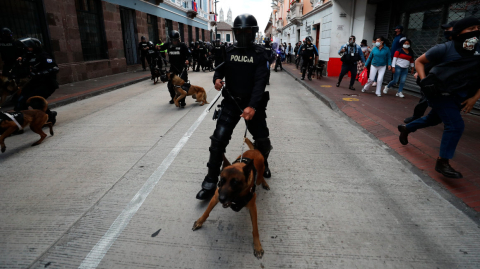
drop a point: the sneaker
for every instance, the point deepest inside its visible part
(363, 90)
(379, 95)
(399, 94)
(374, 84)
(338, 85)
(385, 90)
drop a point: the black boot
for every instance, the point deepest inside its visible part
(52, 116)
(443, 166)
(264, 146)
(403, 134)
(209, 185)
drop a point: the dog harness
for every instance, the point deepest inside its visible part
(241, 202)
(16, 117)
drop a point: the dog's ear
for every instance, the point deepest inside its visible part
(247, 169)
(225, 162)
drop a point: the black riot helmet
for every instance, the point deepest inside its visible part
(309, 39)
(150, 44)
(217, 42)
(245, 28)
(143, 38)
(200, 42)
(30, 42)
(267, 41)
(175, 37)
(192, 44)
(7, 34)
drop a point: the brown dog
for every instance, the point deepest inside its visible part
(36, 118)
(236, 189)
(196, 92)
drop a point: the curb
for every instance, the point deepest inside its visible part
(322, 97)
(94, 93)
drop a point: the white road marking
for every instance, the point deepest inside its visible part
(97, 253)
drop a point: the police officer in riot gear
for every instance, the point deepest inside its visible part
(42, 70)
(245, 71)
(191, 47)
(270, 55)
(195, 56)
(218, 52)
(179, 57)
(155, 60)
(309, 51)
(10, 50)
(202, 53)
(143, 49)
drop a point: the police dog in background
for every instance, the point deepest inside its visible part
(196, 92)
(9, 87)
(236, 189)
(36, 118)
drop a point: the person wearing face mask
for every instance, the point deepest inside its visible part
(380, 59)
(402, 59)
(351, 53)
(308, 52)
(374, 41)
(452, 86)
(422, 105)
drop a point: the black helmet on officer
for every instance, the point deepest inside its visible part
(175, 37)
(217, 42)
(192, 44)
(32, 45)
(7, 34)
(245, 28)
(309, 39)
(143, 38)
(150, 44)
(266, 40)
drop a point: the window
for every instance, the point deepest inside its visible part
(25, 18)
(219, 36)
(197, 36)
(190, 34)
(152, 28)
(180, 30)
(168, 27)
(90, 25)
(228, 38)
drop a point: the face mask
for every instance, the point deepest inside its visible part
(447, 34)
(378, 44)
(406, 46)
(469, 39)
(373, 44)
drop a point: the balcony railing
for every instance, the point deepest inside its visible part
(296, 13)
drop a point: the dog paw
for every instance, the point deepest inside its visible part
(35, 144)
(51, 133)
(3, 149)
(196, 226)
(258, 253)
(266, 187)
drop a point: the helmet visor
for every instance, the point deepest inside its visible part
(244, 36)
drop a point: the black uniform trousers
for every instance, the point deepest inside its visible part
(171, 88)
(226, 123)
(348, 67)
(420, 108)
(278, 62)
(202, 61)
(142, 59)
(35, 88)
(307, 64)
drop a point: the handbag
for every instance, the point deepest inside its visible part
(363, 78)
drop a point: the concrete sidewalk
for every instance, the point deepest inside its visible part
(72, 92)
(381, 115)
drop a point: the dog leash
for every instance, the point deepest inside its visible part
(244, 139)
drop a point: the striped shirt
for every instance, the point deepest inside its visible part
(403, 59)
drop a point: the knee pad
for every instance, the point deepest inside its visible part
(221, 136)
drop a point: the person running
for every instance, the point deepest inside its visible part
(380, 59)
(402, 60)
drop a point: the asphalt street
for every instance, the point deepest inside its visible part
(115, 188)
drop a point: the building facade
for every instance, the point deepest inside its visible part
(331, 22)
(94, 38)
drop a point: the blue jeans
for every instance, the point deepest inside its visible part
(445, 109)
(400, 73)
